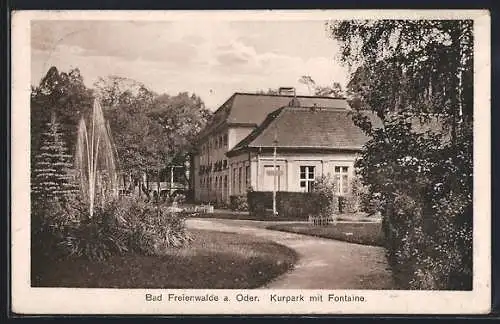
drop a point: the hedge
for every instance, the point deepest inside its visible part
(295, 205)
(238, 202)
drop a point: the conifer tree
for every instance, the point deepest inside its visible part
(52, 175)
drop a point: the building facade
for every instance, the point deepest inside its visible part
(296, 145)
(235, 151)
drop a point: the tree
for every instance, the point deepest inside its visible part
(335, 90)
(417, 72)
(417, 65)
(114, 90)
(52, 172)
(64, 94)
(269, 91)
(150, 130)
(182, 116)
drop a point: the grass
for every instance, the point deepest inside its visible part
(350, 217)
(246, 216)
(361, 233)
(213, 260)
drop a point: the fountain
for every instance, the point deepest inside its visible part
(95, 160)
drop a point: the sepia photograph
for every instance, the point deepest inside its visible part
(291, 158)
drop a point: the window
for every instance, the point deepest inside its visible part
(225, 182)
(342, 179)
(240, 178)
(216, 183)
(247, 176)
(225, 139)
(234, 181)
(307, 178)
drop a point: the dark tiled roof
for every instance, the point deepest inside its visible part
(299, 127)
(252, 109)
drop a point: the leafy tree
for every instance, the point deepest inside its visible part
(335, 90)
(417, 65)
(115, 90)
(269, 91)
(182, 116)
(417, 77)
(151, 131)
(52, 172)
(64, 94)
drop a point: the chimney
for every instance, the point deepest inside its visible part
(286, 91)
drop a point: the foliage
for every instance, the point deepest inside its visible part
(335, 90)
(151, 130)
(417, 65)
(269, 91)
(358, 199)
(426, 199)
(97, 237)
(213, 260)
(289, 205)
(63, 94)
(238, 202)
(326, 198)
(119, 226)
(51, 174)
(151, 229)
(179, 198)
(416, 75)
(49, 218)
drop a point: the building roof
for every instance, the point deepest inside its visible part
(308, 128)
(251, 109)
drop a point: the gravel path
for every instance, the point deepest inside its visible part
(323, 263)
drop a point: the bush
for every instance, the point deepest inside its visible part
(298, 205)
(64, 228)
(422, 184)
(179, 198)
(238, 202)
(96, 237)
(327, 202)
(259, 201)
(150, 228)
(291, 205)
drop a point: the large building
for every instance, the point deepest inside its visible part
(312, 135)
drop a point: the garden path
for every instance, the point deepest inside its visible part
(322, 264)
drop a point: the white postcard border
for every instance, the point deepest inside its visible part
(28, 300)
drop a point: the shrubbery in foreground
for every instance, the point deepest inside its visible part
(62, 227)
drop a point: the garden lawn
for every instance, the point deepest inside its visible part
(229, 214)
(361, 233)
(213, 260)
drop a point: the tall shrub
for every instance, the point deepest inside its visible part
(52, 170)
(425, 190)
(326, 197)
(53, 191)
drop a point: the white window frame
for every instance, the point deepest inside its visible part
(306, 180)
(341, 173)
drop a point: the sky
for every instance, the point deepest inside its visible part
(211, 58)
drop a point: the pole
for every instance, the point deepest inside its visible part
(274, 181)
(274, 175)
(171, 179)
